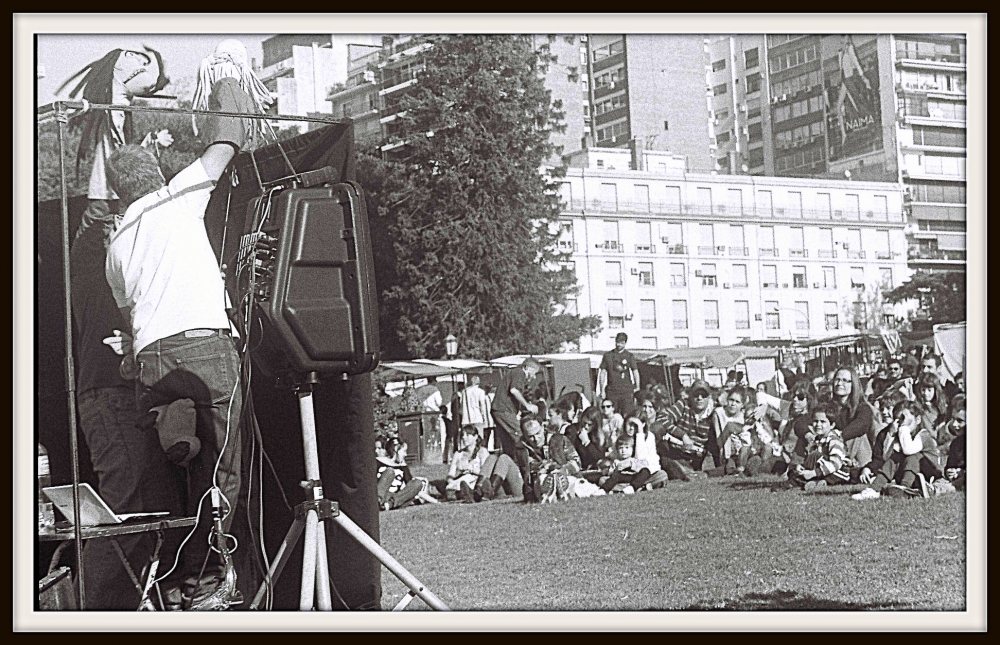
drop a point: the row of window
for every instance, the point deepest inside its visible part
(796, 84)
(740, 310)
(935, 165)
(612, 103)
(798, 108)
(719, 90)
(927, 136)
(920, 105)
(794, 58)
(948, 193)
(617, 130)
(949, 52)
(605, 79)
(753, 83)
(933, 80)
(800, 159)
(801, 134)
(607, 51)
(708, 276)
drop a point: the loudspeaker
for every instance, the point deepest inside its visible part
(306, 262)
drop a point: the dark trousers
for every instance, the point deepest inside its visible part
(508, 431)
(207, 371)
(668, 451)
(133, 476)
(898, 469)
(637, 480)
(624, 401)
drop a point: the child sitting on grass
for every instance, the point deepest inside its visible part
(626, 469)
(904, 457)
(826, 461)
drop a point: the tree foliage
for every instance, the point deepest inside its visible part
(466, 223)
(941, 294)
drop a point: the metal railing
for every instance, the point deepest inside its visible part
(936, 254)
(672, 208)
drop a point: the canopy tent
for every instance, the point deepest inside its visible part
(517, 359)
(713, 356)
(401, 370)
(949, 344)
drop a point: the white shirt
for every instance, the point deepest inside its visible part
(475, 405)
(645, 451)
(161, 265)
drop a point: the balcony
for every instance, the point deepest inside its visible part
(826, 253)
(678, 281)
(856, 255)
(568, 246)
(798, 253)
(677, 249)
(739, 251)
(708, 250)
(742, 324)
(768, 285)
(680, 324)
(711, 324)
(768, 253)
(883, 255)
(705, 210)
(610, 247)
(645, 248)
(909, 55)
(936, 254)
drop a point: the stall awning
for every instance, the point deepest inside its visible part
(723, 357)
(412, 369)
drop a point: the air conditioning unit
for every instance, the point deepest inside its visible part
(815, 285)
(611, 85)
(665, 240)
(697, 274)
(743, 107)
(784, 97)
(720, 249)
(635, 271)
(784, 286)
(725, 285)
(758, 317)
(745, 131)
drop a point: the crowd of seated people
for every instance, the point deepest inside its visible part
(898, 434)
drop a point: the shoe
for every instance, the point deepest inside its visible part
(926, 490)
(895, 490)
(548, 487)
(648, 487)
(465, 493)
(628, 490)
(561, 484)
(486, 488)
(814, 484)
(498, 486)
(674, 471)
(866, 494)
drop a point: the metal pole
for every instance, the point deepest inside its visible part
(61, 106)
(311, 455)
(70, 368)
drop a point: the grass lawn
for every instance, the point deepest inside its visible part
(715, 544)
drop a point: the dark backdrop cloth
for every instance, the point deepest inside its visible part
(344, 424)
(344, 421)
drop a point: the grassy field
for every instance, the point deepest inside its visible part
(713, 544)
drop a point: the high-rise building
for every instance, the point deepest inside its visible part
(648, 90)
(680, 259)
(862, 107)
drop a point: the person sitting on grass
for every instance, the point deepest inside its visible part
(688, 433)
(646, 441)
(465, 467)
(396, 486)
(949, 430)
(904, 457)
(628, 473)
(954, 468)
(930, 394)
(589, 439)
(531, 455)
(731, 433)
(826, 459)
(499, 474)
(611, 422)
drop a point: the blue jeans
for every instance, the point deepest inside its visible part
(206, 370)
(133, 476)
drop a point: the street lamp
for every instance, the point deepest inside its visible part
(451, 346)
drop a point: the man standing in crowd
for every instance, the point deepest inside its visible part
(618, 376)
(687, 430)
(475, 407)
(510, 400)
(168, 287)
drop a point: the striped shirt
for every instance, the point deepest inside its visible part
(679, 420)
(830, 453)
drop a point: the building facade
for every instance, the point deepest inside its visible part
(889, 107)
(680, 259)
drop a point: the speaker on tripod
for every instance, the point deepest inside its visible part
(306, 276)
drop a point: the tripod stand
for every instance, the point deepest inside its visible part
(315, 586)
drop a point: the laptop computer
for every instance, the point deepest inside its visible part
(94, 511)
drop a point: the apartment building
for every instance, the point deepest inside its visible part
(679, 259)
(885, 107)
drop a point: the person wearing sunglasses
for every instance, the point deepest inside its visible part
(612, 423)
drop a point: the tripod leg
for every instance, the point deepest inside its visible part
(390, 563)
(280, 560)
(323, 600)
(309, 562)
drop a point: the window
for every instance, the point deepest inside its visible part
(672, 235)
(753, 83)
(677, 275)
(642, 198)
(734, 202)
(609, 198)
(650, 342)
(708, 276)
(796, 242)
(739, 276)
(769, 276)
(722, 137)
(713, 340)
(616, 314)
(607, 51)
(755, 132)
(857, 277)
(613, 274)
(719, 65)
(802, 318)
(772, 318)
(799, 278)
(829, 278)
(823, 205)
(647, 313)
(831, 319)
(794, 203)
(741, 314)
(643, 235)
(853, 243)
(706, 233)
(885, 273)
(946, 194)
(681, 341)
(711, 309)
(719, 90)
(680, 310)
(611, 235)
(566, 236)
(704, 196)
(646, 274)
(852, 206)
(764, 206)
(751, 58)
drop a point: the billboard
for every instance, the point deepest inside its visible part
(851, 91)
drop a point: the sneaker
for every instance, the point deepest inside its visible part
(548, 485)
(648, 487)
(866, 494)
(895, 490)
(926, 490)
(814, 484)
(628, 490)
(561, 484)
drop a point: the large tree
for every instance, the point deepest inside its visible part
(941, 294)
(465, 223)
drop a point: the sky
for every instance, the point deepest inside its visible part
(62, 55)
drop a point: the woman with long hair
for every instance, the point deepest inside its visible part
(930, 394)
(592, 443)
(857, 419)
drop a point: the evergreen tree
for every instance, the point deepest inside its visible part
(941, 295)
(466, 221)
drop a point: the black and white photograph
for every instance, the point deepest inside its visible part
(500, 322)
